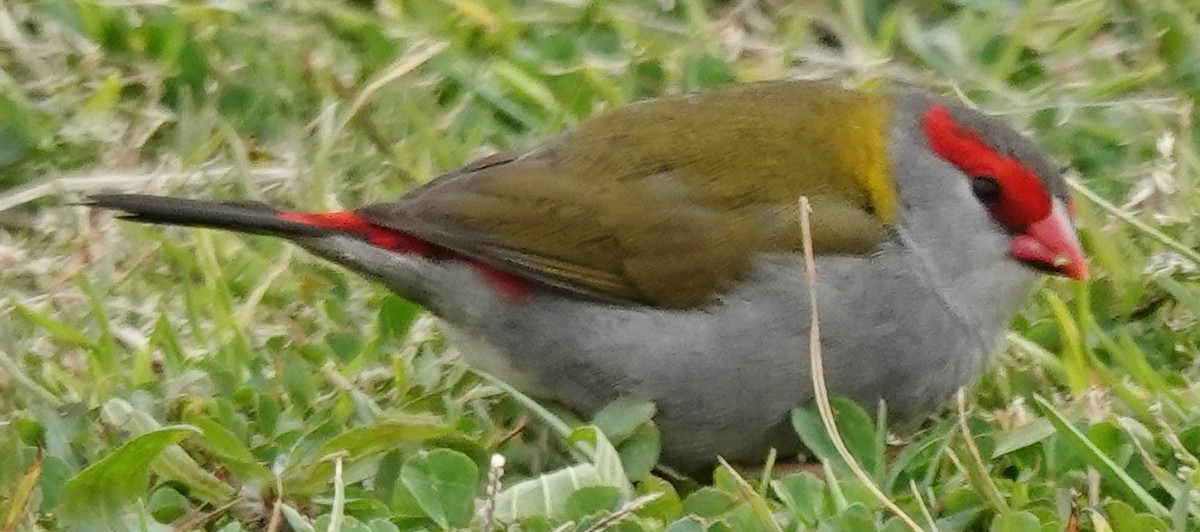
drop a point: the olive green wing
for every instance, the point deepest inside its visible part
(645, 220)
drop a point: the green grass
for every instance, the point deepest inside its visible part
(153, 377)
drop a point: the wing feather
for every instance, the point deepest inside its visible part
(662, 215)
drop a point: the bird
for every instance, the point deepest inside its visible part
(653, 252)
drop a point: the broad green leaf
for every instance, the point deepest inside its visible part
(804, 494)
(54, 477)
(166, 504)
(687, 524)
(589, 501)
(31, 432)
(604, 457)
(396, 315)
(855, 426)
(855, 517)
(640, 452)
(173, 463)
(667, 506)
(98, 496)
(295, 519)
(1016, 522)
(345, 346)
(544, 495)
(1122, 516)
(1022, 437)
(381, 525)
(708, 502)
(619, 419)
(384, 435)
(233, 453)
(444, 483)
(358, 443)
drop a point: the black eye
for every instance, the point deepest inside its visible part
(986, 188)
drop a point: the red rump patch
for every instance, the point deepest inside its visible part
(506, 283)
(349, 222)
(400, 242)
(1023, 198)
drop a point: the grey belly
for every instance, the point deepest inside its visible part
(726, 379)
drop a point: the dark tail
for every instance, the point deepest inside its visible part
(244, 217)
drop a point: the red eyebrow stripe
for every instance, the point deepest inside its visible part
(958, 145)
(1024, 201)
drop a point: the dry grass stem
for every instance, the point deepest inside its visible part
(817, 369)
